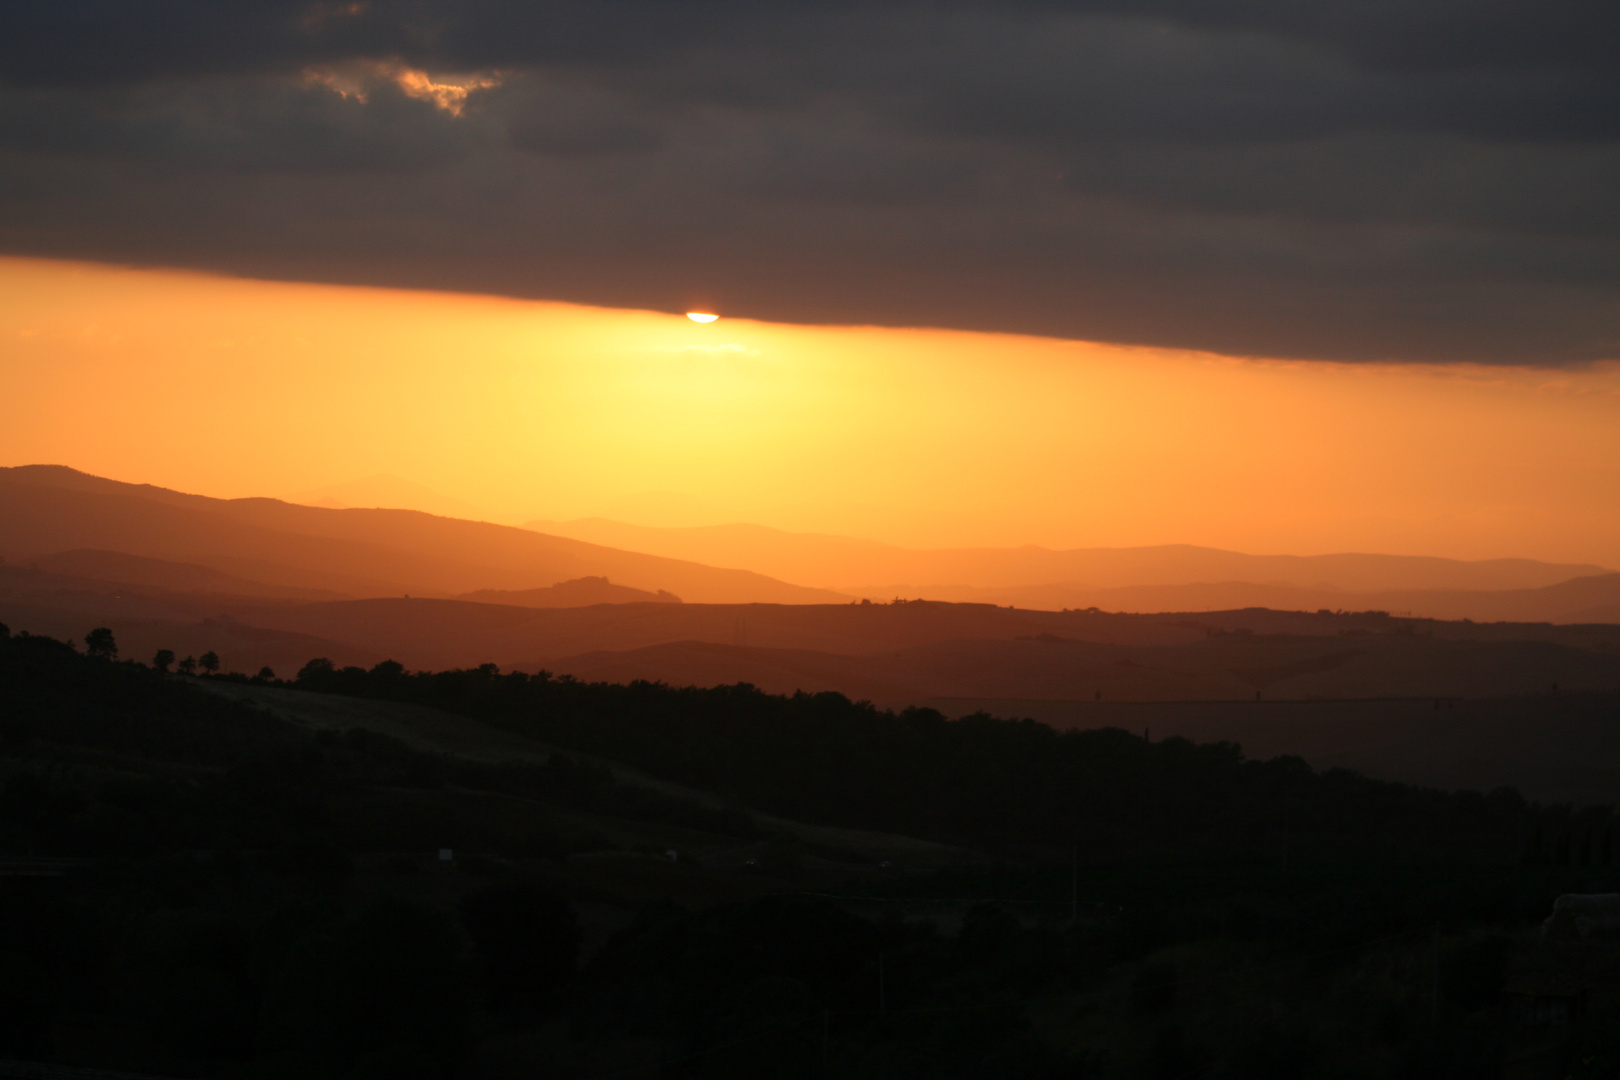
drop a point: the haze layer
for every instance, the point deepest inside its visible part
(928, 438)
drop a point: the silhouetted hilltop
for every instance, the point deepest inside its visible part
(581, 592)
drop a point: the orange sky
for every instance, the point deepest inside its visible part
(926, 438)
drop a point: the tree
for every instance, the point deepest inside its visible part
(209, 661)
(188, 666)
(266, 675)
(100, 644)
(163, 659)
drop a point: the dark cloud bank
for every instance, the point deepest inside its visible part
(1356, 179)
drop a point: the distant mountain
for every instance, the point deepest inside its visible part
(799, 557)
(893, 653)
(581, 592)
(862, 566)
(1594, 598)
(425, 633)
(162, 576)
(146, 618)
(870, 643)
(46, 510)
(388, 492)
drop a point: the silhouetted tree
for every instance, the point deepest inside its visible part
(388, 669)
(266, 674)
(188, 666)
(209, 661)
(163, 659)
(100, 644)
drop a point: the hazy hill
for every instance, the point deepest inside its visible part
(49, 509)
(162, 576)
(581, 592)
(896, 652)
(429, 633)
(890, 652)
(886, 570)
(1594, 598)
(392, 492)
(148, 619)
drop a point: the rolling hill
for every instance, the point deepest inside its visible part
(268, 583)
(46, 510)
(581, 592)
(881, 571)
(1230, 667)
(1592, 598)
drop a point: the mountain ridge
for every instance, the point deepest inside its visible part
(863, 566)
(360, 552)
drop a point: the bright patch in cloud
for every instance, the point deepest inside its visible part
(449, 95)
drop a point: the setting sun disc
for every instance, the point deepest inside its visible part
(701, 316)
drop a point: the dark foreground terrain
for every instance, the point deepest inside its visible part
(376, 873)
(1552, 747)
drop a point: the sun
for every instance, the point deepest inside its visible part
(701, 316)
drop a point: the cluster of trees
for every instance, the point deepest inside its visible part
(208, 662)
(102, 645)
(1007, 785)
(263, 784)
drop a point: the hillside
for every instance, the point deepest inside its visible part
(898, 652)
(162, 577)
(46, 510)
(1557, 748)
(1588, 599)
(581, 592)
(473, 876)
(1225, 668)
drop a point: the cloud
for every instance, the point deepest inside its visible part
(1426, 181)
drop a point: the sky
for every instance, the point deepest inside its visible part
(1275, 275)
(928, 438)
(1406, 180)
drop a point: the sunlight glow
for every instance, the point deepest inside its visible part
(701, 316)
(928, 438)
